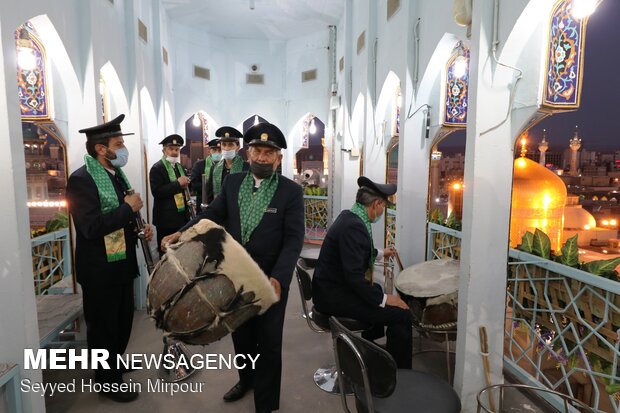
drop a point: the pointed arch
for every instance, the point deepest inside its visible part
(66, 91)
(294, 139)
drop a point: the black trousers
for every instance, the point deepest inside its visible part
(262, 335)
(398, 322)
(108, 311)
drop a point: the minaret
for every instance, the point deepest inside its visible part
(542, 147)
(575, 144)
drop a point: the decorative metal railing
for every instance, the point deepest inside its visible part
(562, 328)
(442, 242)
(316, 215)
(51, 259)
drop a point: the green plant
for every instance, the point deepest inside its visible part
(539, 244)
(436, 217)
(60, 221)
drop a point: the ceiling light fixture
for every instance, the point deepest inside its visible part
(312, 128)
(25, 51)
(583, 8)
(196, 120)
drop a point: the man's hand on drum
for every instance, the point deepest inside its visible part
(395, 301)
(148, 232)
(276, 286)
(169, 239)
(389, 252)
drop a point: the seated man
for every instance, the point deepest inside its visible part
(340, 285)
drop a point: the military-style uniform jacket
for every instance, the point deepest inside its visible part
(165, 212)
(225, 173)
(91, 225)
(343, 261)
(277, 241)
(196, 180)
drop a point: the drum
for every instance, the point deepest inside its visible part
(431, 291)
(206, 286)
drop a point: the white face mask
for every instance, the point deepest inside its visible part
(229, 155)
(172, 159)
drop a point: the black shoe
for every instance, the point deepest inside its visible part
(238, 391)
(120, 396)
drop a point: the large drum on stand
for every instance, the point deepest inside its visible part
(430, 289)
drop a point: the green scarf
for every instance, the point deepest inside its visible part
(107, 194)
(359, 210)
(172, 176)
(237, 166)
(252, 204)
(108, 201)
(208, 165)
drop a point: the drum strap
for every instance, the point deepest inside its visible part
(161, 313)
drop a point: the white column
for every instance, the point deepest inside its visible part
(18, 322)
(413, 160)
(486, 216)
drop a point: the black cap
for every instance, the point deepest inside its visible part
(105, 130)
(214, 143)
(383, 190)
(266, 134)
(173, 140)
(228, 134)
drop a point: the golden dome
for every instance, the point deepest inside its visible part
(538, 199)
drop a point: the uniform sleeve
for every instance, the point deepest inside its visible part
(85, 208)
(196, 176)
(293, 240)
(161, 187)
(354, 255)
(216, 211)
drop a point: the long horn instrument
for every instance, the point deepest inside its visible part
(191, 204)
(148, 256)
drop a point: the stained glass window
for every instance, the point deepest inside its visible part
(457, 88)
(564, 58)
(31, 82)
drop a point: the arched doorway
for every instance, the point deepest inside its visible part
(46, 166)
(311, 169)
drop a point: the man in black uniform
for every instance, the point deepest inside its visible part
(265, 213)
(342, 282)
(203, 167)
(168, 184)
(231, 161)
(105, 246)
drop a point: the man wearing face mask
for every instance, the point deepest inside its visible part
(168, 184)
(342, 282)
(263, 211)
(202, 168)
(105, 246)
(231, 161)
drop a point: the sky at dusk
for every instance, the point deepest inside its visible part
(599, 115)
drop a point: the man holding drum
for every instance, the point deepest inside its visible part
(264, 212)
(342, 283)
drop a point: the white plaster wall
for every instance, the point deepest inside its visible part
(282, 100)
